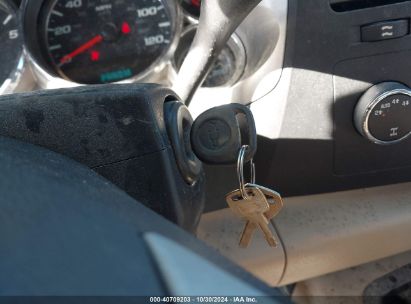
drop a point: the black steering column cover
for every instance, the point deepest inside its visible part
(117, 130)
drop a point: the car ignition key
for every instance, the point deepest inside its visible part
(275, 205)
(252, 209)
(274, 200)
(254, 203)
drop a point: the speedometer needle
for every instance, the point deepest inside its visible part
(89, 44)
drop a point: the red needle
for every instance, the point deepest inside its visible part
(196, 2)
(89, 44)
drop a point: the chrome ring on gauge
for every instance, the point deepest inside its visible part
(191, 8)
(101, 41)
(11, 47)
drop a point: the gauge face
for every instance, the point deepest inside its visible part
(191, 7)
(10, 43)
(101, 41)
(228, 67)
(389, 119)
(223, 70)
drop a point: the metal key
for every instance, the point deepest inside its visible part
(275, 205)
(274, 199)
(252, 209)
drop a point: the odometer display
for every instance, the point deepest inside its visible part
(100, 41)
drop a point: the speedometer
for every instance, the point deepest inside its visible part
(101, 41)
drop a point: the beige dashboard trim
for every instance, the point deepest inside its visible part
(321, 233)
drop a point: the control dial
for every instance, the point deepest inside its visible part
(383, 114)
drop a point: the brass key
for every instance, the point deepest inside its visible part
(252, 209)
(275, 205)
(274, 199)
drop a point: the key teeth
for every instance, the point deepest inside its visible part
(243, 245)
(272, 243)
(255, 214)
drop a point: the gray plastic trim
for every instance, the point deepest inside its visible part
(186, 273)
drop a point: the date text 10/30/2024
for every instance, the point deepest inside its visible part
(199, 299)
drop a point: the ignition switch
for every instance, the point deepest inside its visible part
(214, 138)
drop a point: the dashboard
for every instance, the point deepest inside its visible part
(64, 43)
(329, 87)
(312, 71)
(91, 42)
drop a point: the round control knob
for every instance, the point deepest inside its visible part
(383, 113)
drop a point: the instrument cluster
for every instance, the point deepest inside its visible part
(80, 42)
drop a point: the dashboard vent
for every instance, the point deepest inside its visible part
(351, 5)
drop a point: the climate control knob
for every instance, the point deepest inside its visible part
(383, 113)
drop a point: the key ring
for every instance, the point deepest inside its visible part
(240, 172)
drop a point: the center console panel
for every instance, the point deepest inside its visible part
(319, 149)
(333, 64)
(335, 51)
